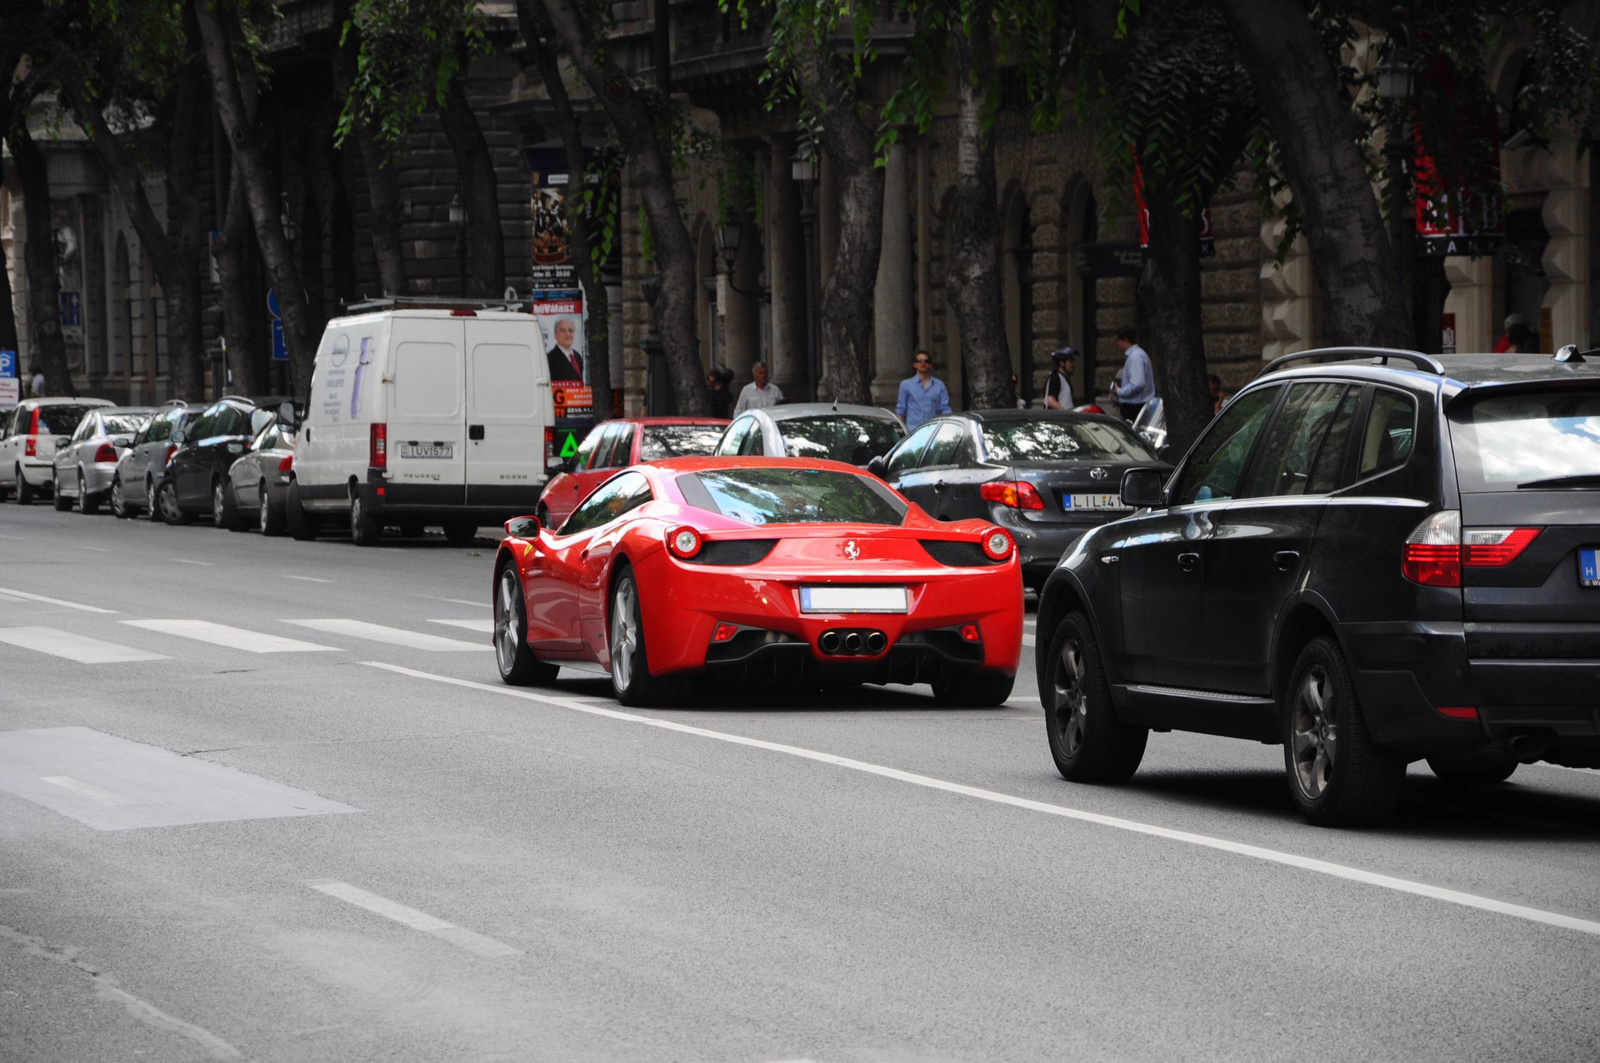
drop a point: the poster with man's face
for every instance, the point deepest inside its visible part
(566, 347)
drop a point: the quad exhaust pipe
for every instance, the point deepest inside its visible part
(852, 642)
(876, 641)
(829, 642)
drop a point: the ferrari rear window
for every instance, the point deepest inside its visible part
(793, 496)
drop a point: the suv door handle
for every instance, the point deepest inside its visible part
(474, 431)
(1187, 562)
(1285, 559)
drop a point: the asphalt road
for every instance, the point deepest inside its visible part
(360, 846)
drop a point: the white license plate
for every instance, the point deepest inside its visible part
(1092, 502)
(427, 450)
(853, 600)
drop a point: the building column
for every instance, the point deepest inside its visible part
(1471, 300)
(786, 262)
(1566, 256)
(893, 329)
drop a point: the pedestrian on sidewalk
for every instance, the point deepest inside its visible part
(922, 395)
(1058, 389)
(36, 384)
(717, 390)
(1136, 384)
(758, 394)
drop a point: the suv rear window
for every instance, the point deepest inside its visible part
(1052, 440)
(852, 440)
(1527, 439)
(793, 496)
(678, 440)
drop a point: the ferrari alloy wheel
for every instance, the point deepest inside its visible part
(119, 503)
(518, 666)
(86, 504)
(631, 680)
(1338, 776)
(1087, 741)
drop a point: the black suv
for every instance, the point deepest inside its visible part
(1382, 557)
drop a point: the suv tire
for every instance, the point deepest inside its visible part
(1087, 741)
(1337, 775)
(518, 666)
(1472, 767)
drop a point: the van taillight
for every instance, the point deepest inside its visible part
(378, 446)
(106, 454)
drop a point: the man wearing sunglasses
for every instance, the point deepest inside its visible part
(922, 397)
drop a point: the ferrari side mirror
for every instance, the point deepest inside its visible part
(523, 527)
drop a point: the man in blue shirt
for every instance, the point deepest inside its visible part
(1136, 384)
(922, 397)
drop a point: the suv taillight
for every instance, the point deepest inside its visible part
(1495, 547)
(1433, 551)
(378, 446)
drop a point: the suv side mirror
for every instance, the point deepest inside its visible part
(878, 467)
(523, 527)
(1143, 489)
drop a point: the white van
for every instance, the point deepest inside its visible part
(418, 417)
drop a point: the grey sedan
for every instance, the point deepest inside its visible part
(142, 467)
(851, 434)
(84, 468)
(259, 481)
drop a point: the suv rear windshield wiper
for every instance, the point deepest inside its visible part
(1589, 479)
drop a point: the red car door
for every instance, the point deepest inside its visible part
(554, 609)
(626, 494)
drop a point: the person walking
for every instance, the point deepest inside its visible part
(922, 395)
(758, 394)
(717, 390)
(1058, 389)
(36, 384)
(1136, 384)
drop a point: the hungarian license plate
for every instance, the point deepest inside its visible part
(427, 450)
(1092, 502)
(853, 600)
(1589, 568)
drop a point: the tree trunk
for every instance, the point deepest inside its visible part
(39, 256)
(1358, 278)
(244, 356)
(651, 174)
(261, 194)
(486, 242)
(383, 189)
(974, 274)
(8, 309)
(538, 35)
(1169, 301)
(847, 300)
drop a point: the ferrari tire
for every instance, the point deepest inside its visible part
(364, 525)
(24, 489)
(1087, 741)
(1337, 775)
(269, 517)
(631, 680)
(119, 504)
(1472, 767)
(224, 513)
(302, 525)
(518, 666)
(976, 690)
(460, 532)
(58, 497)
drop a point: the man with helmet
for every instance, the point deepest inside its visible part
(1058, 389)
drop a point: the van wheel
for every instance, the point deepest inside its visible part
(631, 680)
(518, 666)
(460, 532)
(1087, 741)
(302, 525)
(271, 519)
(364, 527)
(24, 489)
(224, 514)
(1337, 774)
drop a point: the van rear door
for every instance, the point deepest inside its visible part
(508, 408)
(426, 430)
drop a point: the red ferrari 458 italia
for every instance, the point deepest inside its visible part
(758, 570)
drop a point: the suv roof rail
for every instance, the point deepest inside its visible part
(1379, 355)
(433, 302)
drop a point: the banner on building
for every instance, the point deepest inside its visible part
(567, 352)
(553, 266)
(1457, 204)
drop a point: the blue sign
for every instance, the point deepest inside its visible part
(71, 310)
(280, 353)
(272, 303)
(8, 365)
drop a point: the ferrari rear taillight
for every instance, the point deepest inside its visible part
(378, 446)
(684, 542)
(105, 454)
(1495, 547)
(1018, 494)
(286, 463)
(1433, 551)
(724, 632)
(997, 544)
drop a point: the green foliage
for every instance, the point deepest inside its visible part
(409, 53)
(803, 41)
(601, 199)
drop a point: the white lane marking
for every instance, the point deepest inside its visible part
(416, 919)
(1205, 841)
(72, 646)
(186, 561)
(482, 625)
(83, 789)
(54, 601)
(309, 579)
(394, 636)
(13, 538)
(234, 638)
(106, 988)
(97, 549)
(482, 603)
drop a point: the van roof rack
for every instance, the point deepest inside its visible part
(434, 302)
(1379, 356)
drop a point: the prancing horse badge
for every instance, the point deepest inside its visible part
(851, 550)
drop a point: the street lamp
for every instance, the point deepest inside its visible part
(728, 236)
(803, 168)
(458, 220)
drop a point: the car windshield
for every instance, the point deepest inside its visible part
(59, 420)
(123, 423)
(1503, 441)
(848, 438)
(678, 440)
(1062, 440)
(793, 496)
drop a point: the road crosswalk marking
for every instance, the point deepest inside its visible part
(406, 915)
(27, 597)
(482, 625)
(234, 638)
(394, 636)
(72, 646)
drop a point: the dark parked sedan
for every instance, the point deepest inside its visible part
(1043, 475)
(197, 474)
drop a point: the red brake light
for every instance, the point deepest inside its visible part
(997, 544)
(724, 632)
(1018, 494)
(378, 446)
(286, 463)
(105, 453)
(1496, 547)
(30, 447)
(1459, 712)
(969, 633)
(1432, 554)
(172, 448)
(683, 541)
(33, 422)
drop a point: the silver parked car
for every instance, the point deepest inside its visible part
(28, 443)
(851, 434)
(259, 481)
(86, 465)
(143, 466)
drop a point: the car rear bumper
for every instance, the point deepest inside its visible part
(431, 502)
(38, 473)
(771, 658)
(97, 477)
